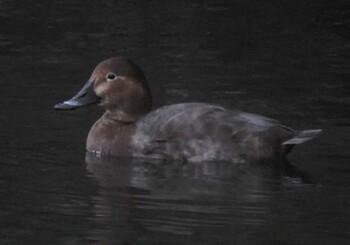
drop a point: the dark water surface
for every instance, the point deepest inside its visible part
(289, 60)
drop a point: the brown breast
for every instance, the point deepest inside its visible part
(110, 137)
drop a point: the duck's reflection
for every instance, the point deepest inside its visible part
(142, 199)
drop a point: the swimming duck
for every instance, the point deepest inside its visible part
(187, 131)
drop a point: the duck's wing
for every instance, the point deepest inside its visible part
(181, 127)
(161, 127)
(195, 114)
(212, 132)
(154, 122)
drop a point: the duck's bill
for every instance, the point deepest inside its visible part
(85, 96)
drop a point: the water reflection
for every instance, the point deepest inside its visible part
(139, 196)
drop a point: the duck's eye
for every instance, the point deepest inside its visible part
(111, 77)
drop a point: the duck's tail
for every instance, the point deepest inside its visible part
(301, 136)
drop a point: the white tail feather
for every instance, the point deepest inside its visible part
(302, 136)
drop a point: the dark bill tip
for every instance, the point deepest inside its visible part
(68, 105)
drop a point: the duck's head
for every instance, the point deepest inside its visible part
(118, 85)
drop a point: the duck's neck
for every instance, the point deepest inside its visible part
(128, 109)
(120, 116)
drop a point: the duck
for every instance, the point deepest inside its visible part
(191, 131)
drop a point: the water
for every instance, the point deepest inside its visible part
(287, 60)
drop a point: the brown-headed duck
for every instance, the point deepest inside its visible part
(186, 131)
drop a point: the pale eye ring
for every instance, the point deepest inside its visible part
(111, 77)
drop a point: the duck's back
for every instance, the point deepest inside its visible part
(200, 132)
